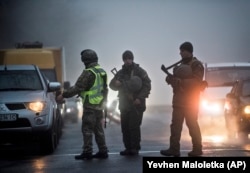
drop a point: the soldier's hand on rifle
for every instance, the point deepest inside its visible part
(168, 79)
(175, 82)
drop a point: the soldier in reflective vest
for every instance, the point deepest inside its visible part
(92, 87)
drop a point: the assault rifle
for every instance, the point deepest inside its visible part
(203, 83)
(105, 113)
(105, 116)
(114, 71)
(165, 69)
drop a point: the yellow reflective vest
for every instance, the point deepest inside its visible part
(95, 93)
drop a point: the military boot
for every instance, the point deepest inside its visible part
(133, 152)
(125, 152)
(84, 156)
(195, 153)
(170, 152)
(101, 155)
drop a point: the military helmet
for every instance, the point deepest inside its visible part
(183, 71)
(134, 84)
(88, 56)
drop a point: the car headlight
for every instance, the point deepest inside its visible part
(36, 106)
(212, 106)
(246, 110)
(68, 110)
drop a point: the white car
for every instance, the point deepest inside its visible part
(220, 78)
(28, 109)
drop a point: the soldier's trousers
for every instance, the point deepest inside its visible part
(131, 128)
(92, 125)
(191, 118)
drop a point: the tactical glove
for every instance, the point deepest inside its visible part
(171, 80)
(168, 79)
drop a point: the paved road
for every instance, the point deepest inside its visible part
(155, 133)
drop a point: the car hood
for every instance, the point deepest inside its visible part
(216, 92)
(21, 96)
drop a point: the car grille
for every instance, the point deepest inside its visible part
(21, 122)
(15, 106)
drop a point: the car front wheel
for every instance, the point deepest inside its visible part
(49, 141)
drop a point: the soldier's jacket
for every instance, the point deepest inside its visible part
(187, 94)
(126, 97)
(84, 83)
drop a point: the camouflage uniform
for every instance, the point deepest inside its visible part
(131, 115)
(186, 104)
(92, 114)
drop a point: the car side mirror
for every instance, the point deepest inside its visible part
(54, 86)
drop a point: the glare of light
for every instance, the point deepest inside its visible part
(204, 103)
(247, 147)
(36, 106)
(247, 109)
(39, 164)
(227, 105)
(211, 106)
(216, 107)
(216, 138)
(69, 110)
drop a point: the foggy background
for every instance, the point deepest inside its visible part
(151, 29)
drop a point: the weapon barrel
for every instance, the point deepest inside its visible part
(114, 71)
(175, 64)
(163, 68)
(105, 116)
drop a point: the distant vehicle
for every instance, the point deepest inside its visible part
(28, 109)
(72, 106)
(219, 77)
(72, 109)
(237, 110)
(113, 113)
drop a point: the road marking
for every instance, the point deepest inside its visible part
(158, 151)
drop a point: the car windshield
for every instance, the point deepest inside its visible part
(246, 89)
(224, 76)
(19, 80)
(50, 74)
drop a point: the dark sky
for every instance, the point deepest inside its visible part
(152, 29)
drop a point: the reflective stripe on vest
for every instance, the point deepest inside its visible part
(95, 93)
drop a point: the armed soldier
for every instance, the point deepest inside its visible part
(186, 83)
(92, 87)
(133, 86)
